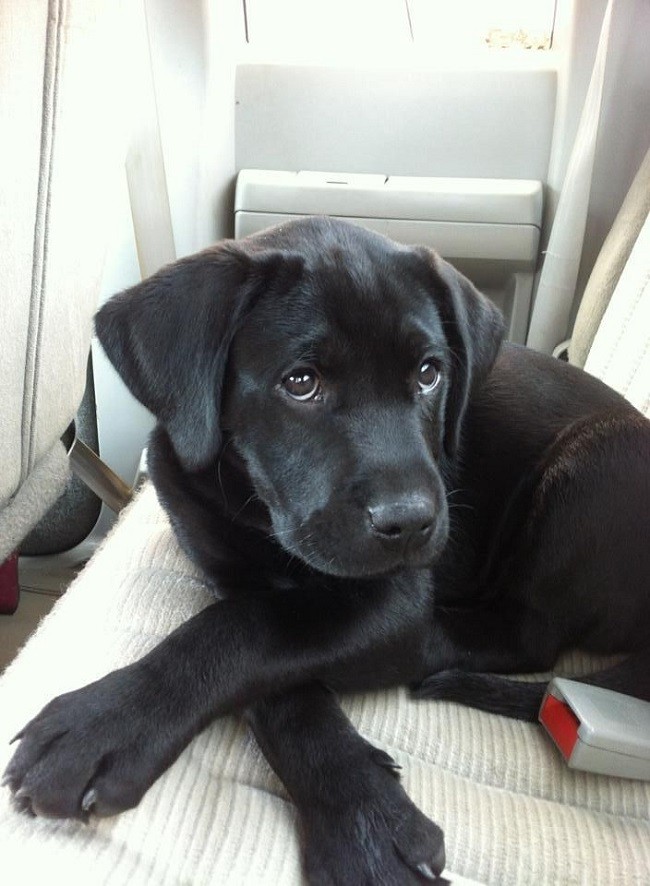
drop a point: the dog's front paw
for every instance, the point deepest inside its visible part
(382, 841)
(97, 749)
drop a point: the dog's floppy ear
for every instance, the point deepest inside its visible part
(169, 336)
(474, 329)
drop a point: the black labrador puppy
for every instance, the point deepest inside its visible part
(385, 494)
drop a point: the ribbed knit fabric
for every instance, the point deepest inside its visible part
(512, 812)
(620, 354)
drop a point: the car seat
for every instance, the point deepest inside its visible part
(57, 154)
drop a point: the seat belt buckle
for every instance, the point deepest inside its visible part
(598, 730)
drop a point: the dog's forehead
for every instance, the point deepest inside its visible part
(351, 304)
(374, 302)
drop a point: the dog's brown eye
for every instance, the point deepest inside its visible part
(302, 384)
(428, 376)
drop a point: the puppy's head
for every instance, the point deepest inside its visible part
(334, 362)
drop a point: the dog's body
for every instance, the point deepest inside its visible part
(386, 495)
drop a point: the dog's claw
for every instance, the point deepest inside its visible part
(88, 801)
(23, 802)
(386, 761)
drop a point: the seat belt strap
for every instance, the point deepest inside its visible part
(557, 283)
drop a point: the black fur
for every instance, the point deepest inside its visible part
(389, 530)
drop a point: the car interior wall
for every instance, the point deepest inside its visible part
(198, 45)
(194, 46)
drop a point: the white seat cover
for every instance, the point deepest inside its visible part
(512, 812)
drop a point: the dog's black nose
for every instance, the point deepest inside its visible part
(403, 520)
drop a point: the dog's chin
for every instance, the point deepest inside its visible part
(357, 566)
(365, 559)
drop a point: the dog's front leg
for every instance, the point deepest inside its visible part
(358, 824)
(101, 747)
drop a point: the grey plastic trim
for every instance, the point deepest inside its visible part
(409, 198)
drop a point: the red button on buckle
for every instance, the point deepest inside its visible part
(561, 724)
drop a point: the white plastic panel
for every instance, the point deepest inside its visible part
(454, 240)
(493, 219)
(474, 121)
(490, 228)
(482, 200)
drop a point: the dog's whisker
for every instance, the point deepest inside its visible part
(219, 477)
(250, 498)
